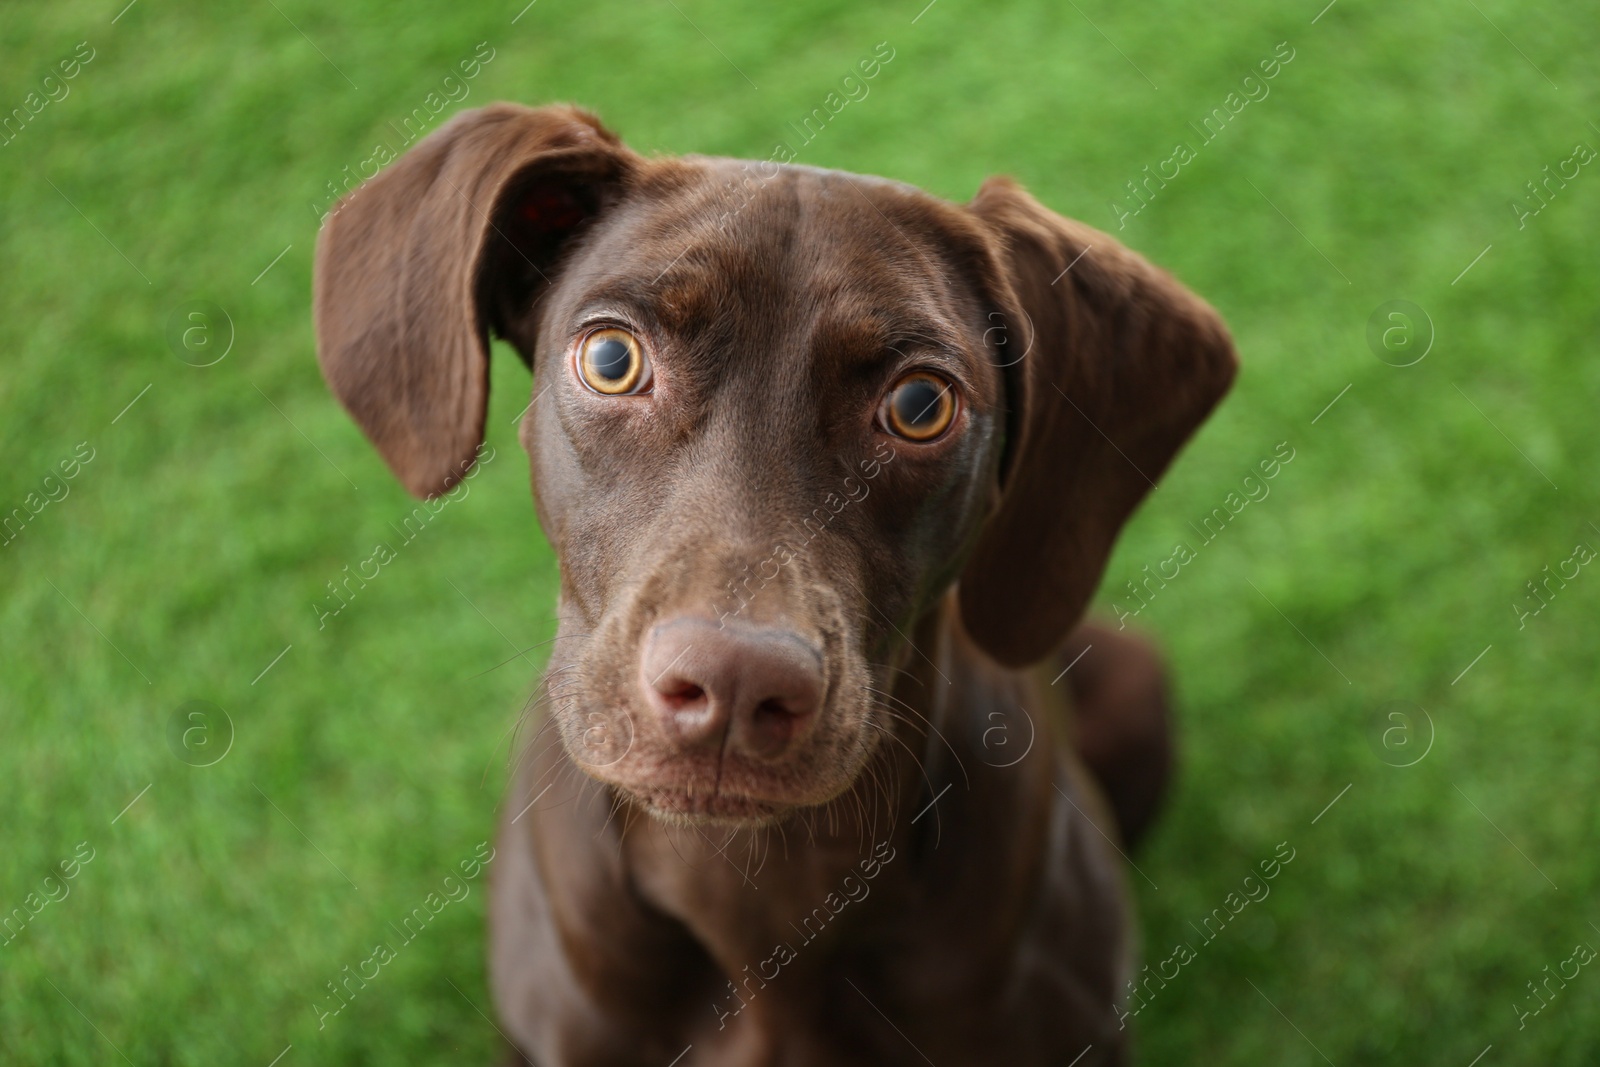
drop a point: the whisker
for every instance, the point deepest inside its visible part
(542, 694)
(524, 652)
(616, 806)
(937, 732)
(897, 670)
(921, 769)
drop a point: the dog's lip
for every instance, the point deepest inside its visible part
(720, 805)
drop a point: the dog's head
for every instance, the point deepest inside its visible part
(778, 412)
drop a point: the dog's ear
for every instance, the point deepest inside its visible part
(1110, 365)
(459, 236)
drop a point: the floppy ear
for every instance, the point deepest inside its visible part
(1110, 366)
(413, 268)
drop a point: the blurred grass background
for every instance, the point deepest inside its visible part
(366, 762)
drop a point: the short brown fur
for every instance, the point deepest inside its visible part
(645, 887)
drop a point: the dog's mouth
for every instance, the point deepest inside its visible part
(684, 788)
(687, 806)
(718, 786)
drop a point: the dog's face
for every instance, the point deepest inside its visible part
(777, 412)
(767, 421)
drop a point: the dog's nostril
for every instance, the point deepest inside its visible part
(682, 694)
(774, 706)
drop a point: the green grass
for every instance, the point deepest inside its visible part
(191, 548)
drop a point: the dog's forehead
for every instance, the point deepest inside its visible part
(803, 248)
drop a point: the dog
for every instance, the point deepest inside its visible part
(832, 468)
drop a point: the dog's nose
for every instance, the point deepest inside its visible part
(760, 687)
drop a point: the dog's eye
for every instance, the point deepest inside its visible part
(611, 361)
(919, 407)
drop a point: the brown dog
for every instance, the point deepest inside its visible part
(829, 464)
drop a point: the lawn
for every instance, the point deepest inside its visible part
(247, 799)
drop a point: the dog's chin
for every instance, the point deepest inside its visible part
(681, 807)
(699, 789)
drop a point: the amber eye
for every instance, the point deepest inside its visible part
(920, 407)
(610, 361)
